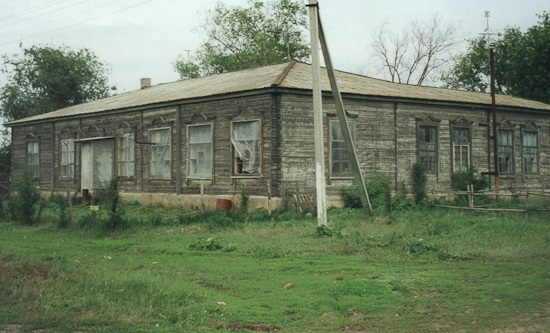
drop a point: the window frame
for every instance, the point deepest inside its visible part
(508, 128)
(123, 161)
(190, 144)
(422, 124)
(33, 158)
(67, 161)
(530, 128)
(156, 145)
(343, 150)
(235, 164)
(456, 125)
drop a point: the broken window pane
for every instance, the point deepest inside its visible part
(505, 151)
(245, 138)
(160, 153)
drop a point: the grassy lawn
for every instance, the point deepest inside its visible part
(428, 270)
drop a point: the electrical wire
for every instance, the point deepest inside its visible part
(30, 10)
(44, 14)
(31, 28)
(76, 24)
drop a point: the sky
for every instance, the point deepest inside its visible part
(143, 38)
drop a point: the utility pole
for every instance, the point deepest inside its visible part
(318, 116)
(488, 33)
(342, 119)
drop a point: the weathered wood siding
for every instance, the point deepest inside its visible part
(386, 142)
(219, 113)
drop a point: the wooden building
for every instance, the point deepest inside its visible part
(190, 142)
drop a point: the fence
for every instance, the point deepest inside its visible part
(522, 202)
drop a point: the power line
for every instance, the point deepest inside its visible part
(45, 13)
(31, 28)
(76, 24)
(30, 10)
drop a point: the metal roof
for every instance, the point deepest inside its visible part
(292, 75)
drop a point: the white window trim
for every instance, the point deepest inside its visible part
(353, 122)
(66, 154)
(189, 159)
(130, 137)
(456, 125)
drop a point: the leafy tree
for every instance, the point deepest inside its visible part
(5, 159)
(522, 65)
(415, 55)
(45, 78)
(264, 33)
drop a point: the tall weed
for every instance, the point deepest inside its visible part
(420, 181)
(27, 198)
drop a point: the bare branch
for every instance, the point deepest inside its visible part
(417, 53)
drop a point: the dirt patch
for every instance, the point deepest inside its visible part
(251, 327)
(17, 329)
(534, 322)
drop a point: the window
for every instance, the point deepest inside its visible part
(160, 152)
(340, 166)
(245, 139)
(460, 148)
(125, 155)
(530, 151)
(67, 158)
(33, 160)
(428, 147)
(505, 151)
(200, 151)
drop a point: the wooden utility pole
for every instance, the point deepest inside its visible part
(318, 116)
(342, 119)
(495, 173)
(494, 117)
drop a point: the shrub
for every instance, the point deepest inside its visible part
(419, 179)
(351, 197)
(211, 244)
(110, 197)
(376, 189)
(27, 198)
(461, 179)
(324, 231)
(62, 204)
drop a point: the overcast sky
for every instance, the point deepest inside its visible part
(143, 38)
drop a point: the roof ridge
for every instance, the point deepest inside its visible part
(280, 78)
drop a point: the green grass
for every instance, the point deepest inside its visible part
(173, 270)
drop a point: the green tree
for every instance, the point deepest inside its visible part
(46, 78)
(5, 161)
(264, 33)
(522, 65)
